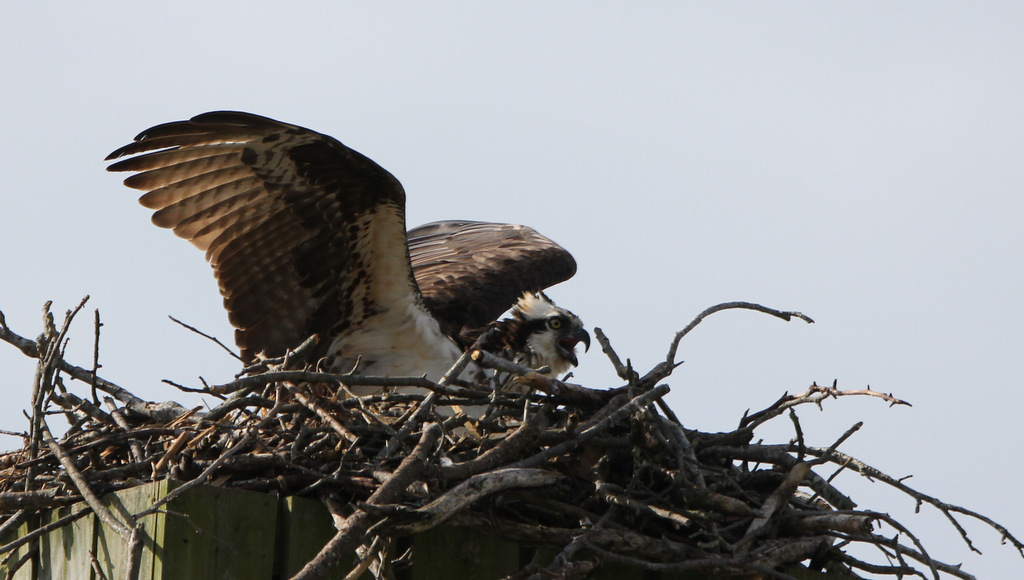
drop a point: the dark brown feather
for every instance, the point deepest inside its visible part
(285, 214)
(471, 272)
(281, 212)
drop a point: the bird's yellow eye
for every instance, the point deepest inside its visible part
(555, 323)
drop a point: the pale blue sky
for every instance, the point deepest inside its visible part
(863, 164)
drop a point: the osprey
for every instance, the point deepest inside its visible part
(307, 236)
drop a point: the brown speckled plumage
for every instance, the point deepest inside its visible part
(307, 236)
(282, 213)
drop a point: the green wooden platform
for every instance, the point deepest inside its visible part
(225, 534)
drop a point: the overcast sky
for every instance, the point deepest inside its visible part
(862, 164)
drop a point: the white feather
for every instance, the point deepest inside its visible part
(401, 339)
(543, 351)
(542, 347)
(535, 305)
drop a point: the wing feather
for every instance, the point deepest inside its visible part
(232, 201)
(471, 272)
(167, 157)
(184, 138)
(286, 217)
(190, 174)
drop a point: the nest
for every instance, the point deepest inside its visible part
(593, 476)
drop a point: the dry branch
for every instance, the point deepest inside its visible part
(599, 476)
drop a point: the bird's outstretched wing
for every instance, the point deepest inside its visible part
(304, 234)
(470, 272)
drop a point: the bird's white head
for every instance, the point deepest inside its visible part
(553, 332)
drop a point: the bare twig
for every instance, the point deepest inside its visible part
(664, 369)
(606, 348)
(122, 529)
(598, 476)
(473, 489)
(322, 413)
(351, 529)
(630, 407)
(209, 337)
(95, 355)
(815, 395)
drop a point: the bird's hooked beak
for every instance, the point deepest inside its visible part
(567, 344)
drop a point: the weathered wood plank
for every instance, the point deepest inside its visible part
(229, 535)
(66, 553)
(447, 552)
(304, 526)
(226, 534)
(27, 571)
(111, 549)
(802, 573)
(618, 572)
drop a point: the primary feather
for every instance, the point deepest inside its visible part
(307, 236)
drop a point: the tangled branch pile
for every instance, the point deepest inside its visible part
(600, 475)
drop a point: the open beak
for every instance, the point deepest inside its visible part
(567, 344)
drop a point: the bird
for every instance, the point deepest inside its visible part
(307, 237)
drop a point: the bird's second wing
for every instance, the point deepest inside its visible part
(470, 272)
(304, 234)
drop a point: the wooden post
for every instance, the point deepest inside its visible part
(67, 550)
(447, 552)
(304, 526)
(227, 534)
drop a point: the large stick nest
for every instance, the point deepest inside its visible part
(601, 476)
